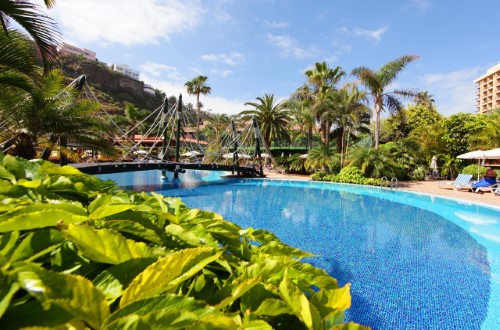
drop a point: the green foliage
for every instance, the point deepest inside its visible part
(76, 252)
(472, 169)
(349, 174)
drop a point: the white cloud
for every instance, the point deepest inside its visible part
(222, 73)
(233, 58)
(126, 22)
(454, 91)
(421, 4)
(214, 103)
(276, 25)
(158, 69)
(290, 47)
(375, 35)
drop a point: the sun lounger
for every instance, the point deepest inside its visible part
(494, 187)
(462, 180)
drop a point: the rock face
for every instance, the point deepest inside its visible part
(118, 87)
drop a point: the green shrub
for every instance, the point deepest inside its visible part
(76, 252)
(472, 169)
(349, 174)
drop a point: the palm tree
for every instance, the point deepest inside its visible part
(323, 80)
(273, 118)
(425, 99)
(323, 157)
(350, 114)
(198, 86)
(377, 81)
(39, 26)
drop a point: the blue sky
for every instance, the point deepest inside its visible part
(251, 47)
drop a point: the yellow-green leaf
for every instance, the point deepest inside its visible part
(107, 210)
(296, 301)
(105, 245)
(73, 293)
(39, 219)
(167, 273)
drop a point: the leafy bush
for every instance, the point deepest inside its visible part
(349, 174)
(76, 252)
(472, 169)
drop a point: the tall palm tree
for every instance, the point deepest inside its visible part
(273, 118)
(303, 113)
(351, 112)
(323, 80)
(39, 26)
(377, 81)
(198, 86)
(425, 99)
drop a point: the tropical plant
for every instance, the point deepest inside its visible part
(273, 118)
(323, 80)
(50, 115)
(198, 86)
(351, 114)
(488, 137)
(75, 252)
(374, 163)
(39, 26)
(322, 157)
(303, 115)
(377, 81)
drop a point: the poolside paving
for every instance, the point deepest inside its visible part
(423, 187)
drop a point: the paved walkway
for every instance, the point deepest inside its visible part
(424, 187)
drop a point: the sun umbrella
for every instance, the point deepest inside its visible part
(265, 156)
(304, 156)
(240, 156)
(478, 154)
(191, 154)
(492, 154)
(434, 164)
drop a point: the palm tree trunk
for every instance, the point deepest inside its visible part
(342, 150)
(377, 128)
(309, 138)
(198, 118)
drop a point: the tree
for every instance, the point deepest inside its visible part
(323, 79)
(323, 157)
(198, 86)
(39, 26)
(273, 118)
(350, 114)
(302, 113)
(377, 81)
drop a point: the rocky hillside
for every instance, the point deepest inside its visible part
(111, 88)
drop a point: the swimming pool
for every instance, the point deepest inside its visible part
(414, 261)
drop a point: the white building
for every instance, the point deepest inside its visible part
(125, 70)
(488, 90)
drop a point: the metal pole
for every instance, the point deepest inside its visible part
(235, 146)
(165, 136)
(178, 133)
(257, 154)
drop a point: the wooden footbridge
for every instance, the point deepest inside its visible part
(166, 162)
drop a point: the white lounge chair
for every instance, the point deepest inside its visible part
(462, 180)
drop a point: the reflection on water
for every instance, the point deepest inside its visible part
(409, 268)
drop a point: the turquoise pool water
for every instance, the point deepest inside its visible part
(414, 261)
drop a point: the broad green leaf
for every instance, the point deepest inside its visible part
(150, 305)
(136, 229)
(167, 273)
(75, 294)
(7, 291)
(192, 235)
(8, 242)
(48, 217)
(273, 307)
(113, 281)
(105, 245)
(257, 325)
(350, 326)
(163, 319)
(313, 275)
(279, 248)
(36, 244)
(216, 322)
(108, 210)
(30, 184)
(50, 168)
(296, 301)
(33, 314)
(5, 174)
(13, 165)
(234, 292)
(327, 301)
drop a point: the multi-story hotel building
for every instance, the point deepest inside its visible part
(125, 70)
(488, 90)
(70, 49)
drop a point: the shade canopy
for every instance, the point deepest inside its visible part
(478, 154)
(192, 154)
(240, 156)
(492, 154)
(304, 156)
